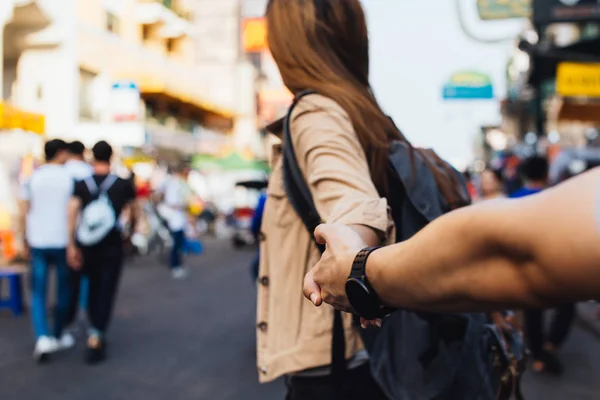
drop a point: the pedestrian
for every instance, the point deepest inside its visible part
(544, 347)
(255, 228)
(176, 203)
(96, 246)
(78, 169)
(45, 200)
(492, 186)
(76, 166)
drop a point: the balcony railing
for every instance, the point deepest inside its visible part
(175, 7)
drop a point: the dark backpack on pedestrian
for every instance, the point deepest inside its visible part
(419, 355)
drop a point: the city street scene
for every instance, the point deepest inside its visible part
(164, 165)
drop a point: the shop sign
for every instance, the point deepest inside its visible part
(578, 80)
(254, 35)
(13, 118)
(503, 9)
(551, 11)
(469, 86)
(125, 101)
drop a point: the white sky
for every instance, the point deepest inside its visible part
(416, 45)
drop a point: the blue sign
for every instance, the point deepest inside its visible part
(469, 86)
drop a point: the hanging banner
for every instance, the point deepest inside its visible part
(254, 35)
(503, 9)
(551, 11)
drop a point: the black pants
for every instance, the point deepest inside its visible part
(358, 384)
(103, 266)
(559, 328)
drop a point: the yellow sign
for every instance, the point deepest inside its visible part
(13, 118)
(254, 35)
(578, 80)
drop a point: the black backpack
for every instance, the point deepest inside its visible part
(419, 355)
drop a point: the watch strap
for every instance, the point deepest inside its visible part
(359, 264)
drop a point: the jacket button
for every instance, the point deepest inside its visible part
(262, 326)
(264, 281)
(261, 236)
(263, 370)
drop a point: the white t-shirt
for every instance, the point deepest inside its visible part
(79, 170)
(177, 195)
(48, 191)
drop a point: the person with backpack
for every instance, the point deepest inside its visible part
(45, 201)
(96, 246)
(344, 161)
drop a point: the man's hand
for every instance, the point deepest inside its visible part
(74, 257)
(326, 281)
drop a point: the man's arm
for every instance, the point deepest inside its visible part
(22, 226)
(72, 217)
(536, 251)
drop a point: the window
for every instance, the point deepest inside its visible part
(87, 81)
(112, 23)
(145, 32)
(170, 45)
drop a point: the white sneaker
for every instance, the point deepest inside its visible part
(66, 341)
(179, 273)
(44, 346)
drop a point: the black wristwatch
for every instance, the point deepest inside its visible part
(360, 293)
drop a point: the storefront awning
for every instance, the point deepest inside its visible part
(588, 112)
(545, 62)
(12, 118)
(232, 162)
(157, 88)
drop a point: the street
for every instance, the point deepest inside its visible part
(194, 339)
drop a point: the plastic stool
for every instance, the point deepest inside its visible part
(15, 299)
(193, 247)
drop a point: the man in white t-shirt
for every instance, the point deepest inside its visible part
(79, 170)
(76, 165)
(176, 201)
(45, 201)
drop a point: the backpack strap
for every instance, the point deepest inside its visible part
(300, 198)
(108, 182)
(91, 185)
(295, 185)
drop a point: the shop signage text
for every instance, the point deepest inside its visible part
(578, 80)
(503, 9)
(550, 11)
(468, 85)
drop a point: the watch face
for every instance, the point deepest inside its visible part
(361, 300)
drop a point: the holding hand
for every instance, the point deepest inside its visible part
(326, 281)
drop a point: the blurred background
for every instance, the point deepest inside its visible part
(483, 82)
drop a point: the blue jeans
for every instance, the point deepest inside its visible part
(177, 250)
(41, 261)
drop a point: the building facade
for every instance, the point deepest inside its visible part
(137, 73)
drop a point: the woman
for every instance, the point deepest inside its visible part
(492, 186)
(341, 138)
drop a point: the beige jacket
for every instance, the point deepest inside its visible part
(292, 334)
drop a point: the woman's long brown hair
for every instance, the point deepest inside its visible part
(323, 45)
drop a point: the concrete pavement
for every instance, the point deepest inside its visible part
(194, 339)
